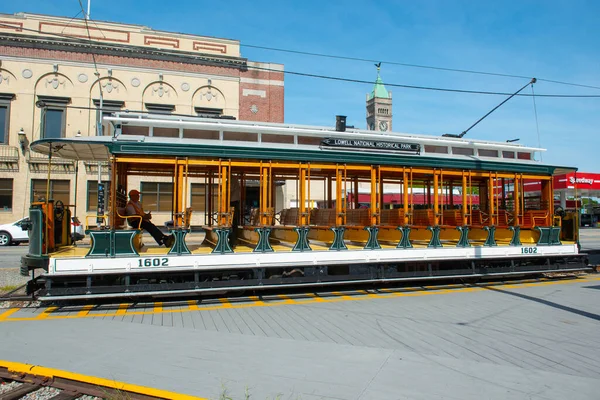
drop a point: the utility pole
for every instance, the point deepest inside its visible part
(87, 15)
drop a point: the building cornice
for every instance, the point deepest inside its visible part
(64, 44)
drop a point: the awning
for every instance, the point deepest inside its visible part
(85, 149)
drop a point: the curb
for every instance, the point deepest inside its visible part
(49, 373)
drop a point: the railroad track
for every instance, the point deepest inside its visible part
(17, 294)
(18, 381)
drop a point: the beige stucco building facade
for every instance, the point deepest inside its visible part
(55, 71)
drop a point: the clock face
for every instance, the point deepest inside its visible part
(383, 126)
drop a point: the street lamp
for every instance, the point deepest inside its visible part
(22, 140)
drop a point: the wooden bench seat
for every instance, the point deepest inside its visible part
(479, 218)
(358, 217)
(289, 216)
(392, 217)
(422, 218)
(323, 217)
(452, 217)
(503, 218)
(533, 218)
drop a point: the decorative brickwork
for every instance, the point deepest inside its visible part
(270, 107)
(161, 41)
(13, 26)
(220, 48)
(81, 31)
(261, 93)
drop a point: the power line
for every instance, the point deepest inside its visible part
(327, 77)
(570, 84)
(87, 28)
(338, 57)
(71, 20)
(307, 53)
(97, 73)
(428, 87)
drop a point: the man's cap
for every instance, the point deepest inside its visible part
(132, 192)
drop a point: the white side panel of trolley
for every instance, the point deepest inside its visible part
(155, 263)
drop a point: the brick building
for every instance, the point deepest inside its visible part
(50, 87)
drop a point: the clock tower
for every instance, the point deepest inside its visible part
(379, 106)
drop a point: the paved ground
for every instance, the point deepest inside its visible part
(533, 341)
(590, 242)
(590, 238)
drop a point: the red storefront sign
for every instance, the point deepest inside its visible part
(579, 180)
(575, 180)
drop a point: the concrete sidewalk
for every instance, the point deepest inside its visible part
(535, 341)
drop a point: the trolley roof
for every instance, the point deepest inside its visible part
(168, 135)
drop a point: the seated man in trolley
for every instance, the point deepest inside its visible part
(134, 207)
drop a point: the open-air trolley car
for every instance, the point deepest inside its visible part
(308, 206)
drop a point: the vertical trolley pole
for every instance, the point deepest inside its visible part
(338, 196)
(373, 199)
(465, 210)
(577, 214)
(100, 197)
(301, 196)
(112, 199)
(436, 198)
(75, 203)
(517, 206)
(46, 233)
(220, 200)
(308, 198)
(100, 185)
(176, 199)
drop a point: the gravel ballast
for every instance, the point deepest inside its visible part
(11, 277)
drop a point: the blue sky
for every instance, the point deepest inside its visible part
(553, 40)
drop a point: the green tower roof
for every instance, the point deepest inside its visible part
(379, 89)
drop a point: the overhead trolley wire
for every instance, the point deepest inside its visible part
(327, 77)
(307, 53)
(428, 87)
(569, 84)
(333, 56)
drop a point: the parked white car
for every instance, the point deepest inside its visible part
(12, 234)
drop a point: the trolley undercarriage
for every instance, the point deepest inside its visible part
(135, 284)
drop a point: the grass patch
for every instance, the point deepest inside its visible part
(8, 288)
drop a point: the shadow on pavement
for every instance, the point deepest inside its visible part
(592, 287)
(586, 314)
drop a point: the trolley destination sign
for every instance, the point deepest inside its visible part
(372, 144)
